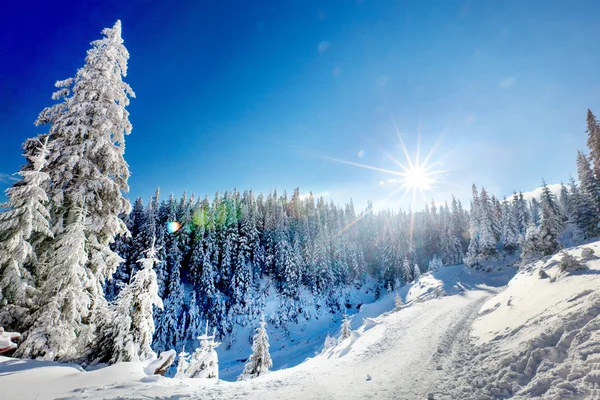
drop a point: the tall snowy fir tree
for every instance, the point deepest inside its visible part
(593, 141)
(169, 330)
(588, 182)
(583, 211)
(488, 234)
(522, 213)
(510, 230)
(259, 362)
(86, 170)
(551, 224)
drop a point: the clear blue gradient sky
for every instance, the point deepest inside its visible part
(253, 94)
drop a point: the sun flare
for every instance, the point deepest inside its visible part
(418, 178)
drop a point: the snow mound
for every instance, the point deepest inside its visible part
(6, 341)
(540, 338)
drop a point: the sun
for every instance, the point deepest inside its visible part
(418, 178)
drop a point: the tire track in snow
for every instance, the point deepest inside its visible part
(451, 342)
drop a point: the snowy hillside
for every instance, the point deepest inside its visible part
(390, 354)
(538, 338)
(461, 334)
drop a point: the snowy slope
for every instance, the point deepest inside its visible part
(537, 192)
(540, 338)
(398, 354)
(462, 334)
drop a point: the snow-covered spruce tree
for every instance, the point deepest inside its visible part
(510, 230)
(535, 211)
(182, 363)
(192, 330)
(583, 213)
(472, 257)
(398, 302)
(407, 270)
(531, 244)
(210, 301)
(551, 222)
(86, 146)
(416, 272)
(564, 200)
(25, 216)
(59, 332)
(473, 251)
(522, 212)
(260, 361)
(169, 332)
(346, 330)
(204, 362)
(137, 301)
(435, 264)
(488, 235)
(588, 182)
(593, 142)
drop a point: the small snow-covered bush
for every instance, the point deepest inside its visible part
(568, 262)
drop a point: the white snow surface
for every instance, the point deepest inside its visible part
(462, 334)
(6, 339)
(539, 338)
(537, 192)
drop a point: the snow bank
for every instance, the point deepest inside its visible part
(6, 341)
(540, 338)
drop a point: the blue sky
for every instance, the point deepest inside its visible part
(257, 95)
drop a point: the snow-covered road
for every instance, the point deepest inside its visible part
(394, 356)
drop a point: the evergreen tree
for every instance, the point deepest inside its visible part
(126, 331)
(398, 301)
(522, 213)
(168, 332)
(588, 182)
(182, 364)
(260, 361)
(583, 212)
(204, 363)
(535, 212)
(416, 273)
(86, 147)
(551, 222)
(488, 231)
(346, 330)
(593, 142)
(192, 330)
(510, 230)
(26, 216)
(564, 201)
(472, 256)
(59, 331)
(210, 301)
(531, 244)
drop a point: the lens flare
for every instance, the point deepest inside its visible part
(173, 226)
